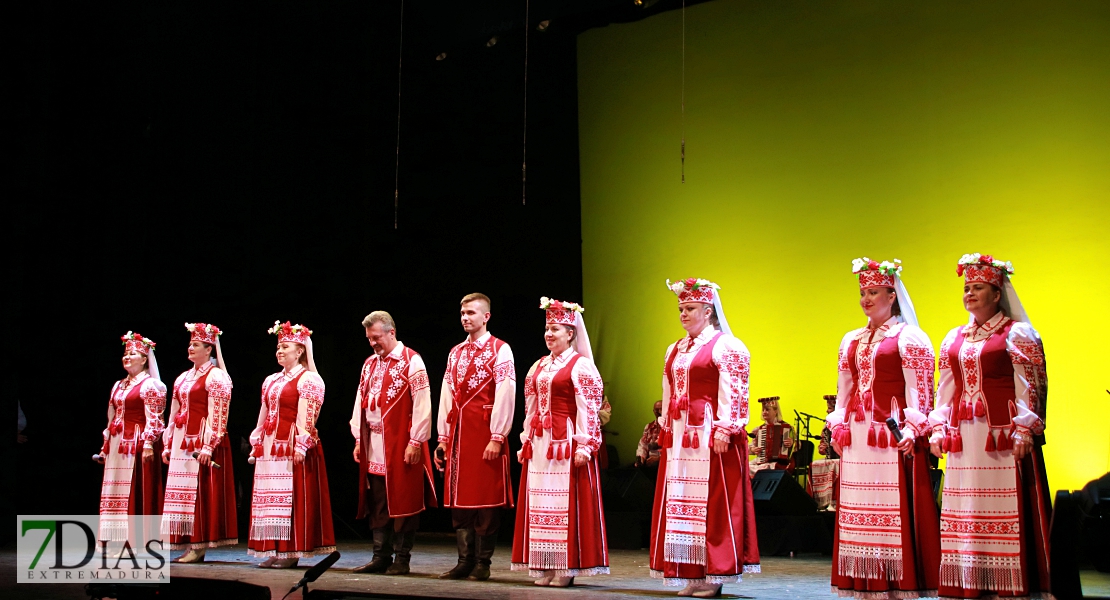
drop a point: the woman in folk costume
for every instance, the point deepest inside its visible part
(703, 519)
(199, 510)
(132, 486)
(560, 524)
(990, 419)
(291, 506)
(886, 542)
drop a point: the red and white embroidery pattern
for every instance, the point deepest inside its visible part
(503, 371)
(920, 360)
(735, 366)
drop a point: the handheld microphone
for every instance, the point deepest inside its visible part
(315, 572)
(211, 462)
(98, 458)
(892, 425)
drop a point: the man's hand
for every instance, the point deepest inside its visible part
(357, 453)
(412, 455)
(441, 450)
(493, 450)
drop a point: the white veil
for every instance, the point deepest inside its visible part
(720, 312)
(152, 366)
(308, 349)
(909, 315)
(1010, 304)
(581, 338)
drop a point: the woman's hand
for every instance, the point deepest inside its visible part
(719, 446)
(580, 459)
(203, 459)
(298, 458)
(836, 447)
(166, 458)
(906, 445)
(357, 454)
(148, 454)
(1022, 447)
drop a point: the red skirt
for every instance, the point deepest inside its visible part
(731, 545)
(587, 550)
(312, 528)
(146, 484)
(214, 515)
(920, 536)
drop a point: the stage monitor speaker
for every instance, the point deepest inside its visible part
(776, 493)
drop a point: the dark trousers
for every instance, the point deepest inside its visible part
(378, 508)
(484, 521)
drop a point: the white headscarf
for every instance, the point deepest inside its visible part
(909, 315)
(720, 312)
(581, 338)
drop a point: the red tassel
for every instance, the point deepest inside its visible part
(990, 441)
(675, 413)
(550, 452)
(527, 450)
(104, 449)
(668, 439)
(884, 438)
(1004, 441)
(547, 421)
(859, 412)
(192, 446)
(846, 437)
(695, 444)
(686, 439)
(980, 410)
(957, 442)
(945, 442)
(257, 451)
(273, 449)
(535, 422)
(871, 441)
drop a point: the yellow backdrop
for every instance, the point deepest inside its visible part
(820, 132)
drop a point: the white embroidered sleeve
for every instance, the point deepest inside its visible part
(667, 388)
(154, 403)
(218, 386)
(941, 415)
(845, 384)
(588, 393)
(175, 406)
(356, 413)
(111, 415)
(1030, 376)
(446, 398)
(732, 360)
(918, 366)
(310, 391)
(531, 404)
(504, 396)
(421, 428)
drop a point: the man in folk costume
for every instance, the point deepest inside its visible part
(199, 510)
(391, 423)
(703, 520)
(774, 439)
(886, 541)
(990, 419)
(476, 405)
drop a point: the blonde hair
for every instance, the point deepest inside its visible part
(379, 316)
(475, 297)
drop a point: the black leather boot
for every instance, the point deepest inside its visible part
(402, 546)
(465, 539)
(383, 553)
(486, 545)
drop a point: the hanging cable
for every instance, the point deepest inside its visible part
(397, 163)
(682, 148)
(524, 143)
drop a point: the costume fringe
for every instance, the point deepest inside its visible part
(708, 579)
(113, 531)
(563, 572)
(199, 545)
(887, 595)
(322, 550)
(262, 530)
(860, 562)
(184, 526)
(548, 559)
(1033, 596)
(980, 577)
(690, 553)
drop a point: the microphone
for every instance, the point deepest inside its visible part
(892, 425)
(211, 462)
(315, 572)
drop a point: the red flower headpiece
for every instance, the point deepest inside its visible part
(136, 341)
(984, 268)
(873, 273)
(203, 332)
(694, 290)
(559, 312)
(290, 333)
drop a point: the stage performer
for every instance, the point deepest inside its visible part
(560, 522)
(199, 511)
(990, 418)
(886, 542)
(135, 425)
(703, 520)
(774, 439)
(391, 423)
(647, 451)
(476, 405)
(290, 506)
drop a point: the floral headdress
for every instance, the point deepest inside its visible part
(136, 341)
(983, 268)
(559, 312)
(203, 332)
(876, 274)
(694, 290)
(290, 333)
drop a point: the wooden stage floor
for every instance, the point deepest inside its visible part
(782, 578)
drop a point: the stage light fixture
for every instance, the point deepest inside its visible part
(542, 25)
(644, 3)
(441, 56)
(492, 42)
